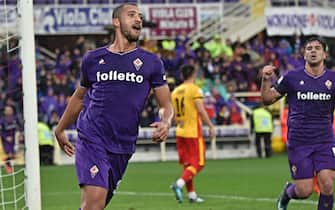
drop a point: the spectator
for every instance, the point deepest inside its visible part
(262, 126)
(46, 144)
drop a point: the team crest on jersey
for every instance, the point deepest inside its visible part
(301, 82)
(328, 84)
(137, 63)
(94, 170)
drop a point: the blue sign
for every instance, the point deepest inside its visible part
(72, 20)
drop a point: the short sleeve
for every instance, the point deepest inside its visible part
(282, 84)
(158, 77)
(84, 82)
(197, 93)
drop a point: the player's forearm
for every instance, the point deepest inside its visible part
(71, 113)
(205, 118)
(266, 92)
(167, 114)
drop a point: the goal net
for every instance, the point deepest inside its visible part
(19, 168)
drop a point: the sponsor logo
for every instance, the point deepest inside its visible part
(119, 76)
(102, 61)
(313, 96)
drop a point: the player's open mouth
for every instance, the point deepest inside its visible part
(137, 27)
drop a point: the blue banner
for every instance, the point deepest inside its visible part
(306, 20)
(72, 20)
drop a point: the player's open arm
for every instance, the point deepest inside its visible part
(268, 93)
(73, 109)
(70, 114)
(163, 97)
(199, 105)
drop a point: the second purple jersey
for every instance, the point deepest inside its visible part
(118, 86)
(311, 106)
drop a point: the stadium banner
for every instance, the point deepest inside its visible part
(72, 19)
(308, 21)
(92, 19)
(173, 20)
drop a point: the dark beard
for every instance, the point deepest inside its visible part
(314, 64)
(128, 35)
(131, 38)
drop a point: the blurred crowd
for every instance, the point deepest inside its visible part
(224, 69)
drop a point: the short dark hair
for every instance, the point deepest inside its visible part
(117, 10)
(321, 40)
(187, 71)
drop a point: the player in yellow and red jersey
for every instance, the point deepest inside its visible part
(187, 100)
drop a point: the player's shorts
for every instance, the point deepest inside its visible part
(97, 167)
(304, 160)
(8, 147)
(191, 151)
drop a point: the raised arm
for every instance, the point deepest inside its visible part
(69, 116)
(269, 94)
(163, 97)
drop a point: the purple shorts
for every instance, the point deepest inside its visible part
(8, 147)
(97, 167)
(305, 160)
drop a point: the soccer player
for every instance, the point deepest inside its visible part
(310, 93)
(187, 100)
(117, 80)
(9, 124)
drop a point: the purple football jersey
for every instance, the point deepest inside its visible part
(118, 85)
(8, 127)
(311, 106)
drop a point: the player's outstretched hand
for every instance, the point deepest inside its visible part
(161, 130)
(64, 143)
(268, 72)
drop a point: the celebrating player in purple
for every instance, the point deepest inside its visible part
(310, 93)
(9, 125)
(117, 80)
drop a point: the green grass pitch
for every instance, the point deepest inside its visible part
(232, 184)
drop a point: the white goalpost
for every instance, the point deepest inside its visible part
(27, 42)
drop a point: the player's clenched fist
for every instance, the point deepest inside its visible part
(268, 72)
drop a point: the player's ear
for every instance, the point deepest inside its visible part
(116, 22)
(304, 55)
(324, 56)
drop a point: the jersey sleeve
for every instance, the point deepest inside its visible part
(197, 93)
(282, 84)
(158, 77)
(84, 82)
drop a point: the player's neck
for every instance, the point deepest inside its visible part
(121, 46)
(188, 81)
(315, 70)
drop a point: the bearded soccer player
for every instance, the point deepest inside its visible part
(310, 92)
(117, 80)
(187, 100)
